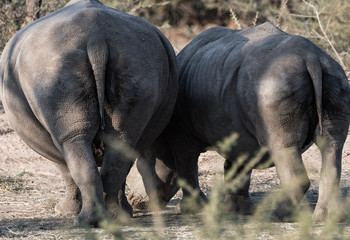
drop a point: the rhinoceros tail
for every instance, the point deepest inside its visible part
(98, 57)
(315, 70)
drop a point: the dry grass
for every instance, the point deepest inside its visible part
(12, 183)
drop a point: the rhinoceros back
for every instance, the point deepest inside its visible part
(231, 70)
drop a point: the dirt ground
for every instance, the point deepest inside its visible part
(30, 186)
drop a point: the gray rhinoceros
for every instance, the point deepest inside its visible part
(275, 90)
(87, 79)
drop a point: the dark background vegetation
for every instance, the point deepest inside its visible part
(292, 16)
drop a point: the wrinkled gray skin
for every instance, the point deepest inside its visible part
(275, 90)
(79, 82)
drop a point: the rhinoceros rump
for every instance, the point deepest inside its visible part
(275, 90)
(87, 75)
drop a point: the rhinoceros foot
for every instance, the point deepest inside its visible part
(238, 204)
(193, 204)
(68, 207)
(138, 201)
(320, 214)
(284, 213)
(118, 208)
(91, 218)
(336, 213)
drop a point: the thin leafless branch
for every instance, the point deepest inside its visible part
(325, 36)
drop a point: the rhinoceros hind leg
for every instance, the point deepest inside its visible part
(186, 150)
(83, 169)
(237, 197)
(153, 178)
(328, 203)
(114, 170)
(71, 204)
(123, 201)
(294, 182)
